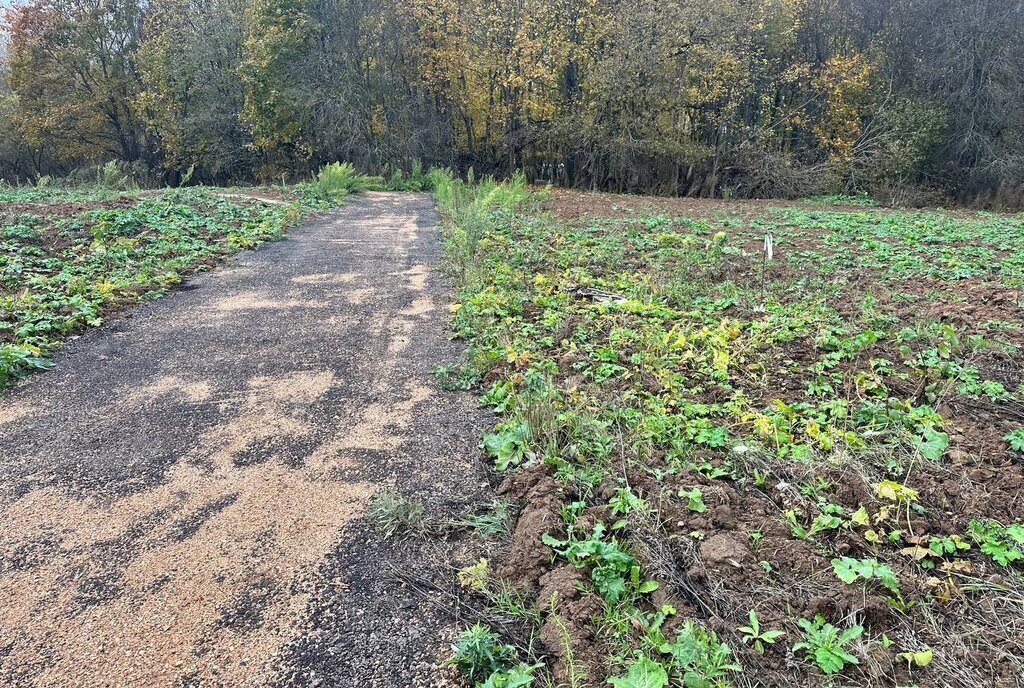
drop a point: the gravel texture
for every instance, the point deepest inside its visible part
(183, 494)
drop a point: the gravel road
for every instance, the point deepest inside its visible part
(183, 496)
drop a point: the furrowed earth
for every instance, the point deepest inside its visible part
(827, 441)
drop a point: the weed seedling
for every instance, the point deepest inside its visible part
(644, 672)
(753, 635)
(848, 570)
(614, 571)
(698, 658)
(1005, 544)
(1016, 440)
(694, 500)
(478, 653)
(496, 522)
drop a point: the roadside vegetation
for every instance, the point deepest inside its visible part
(910, 102)
(735, 470)
(71, 254)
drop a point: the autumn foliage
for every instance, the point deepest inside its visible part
(773, 98)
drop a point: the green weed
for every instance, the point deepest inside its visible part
(753, 635)
(826, 645)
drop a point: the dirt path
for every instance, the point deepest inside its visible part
(183, 495)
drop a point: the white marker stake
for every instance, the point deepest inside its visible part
(769, 252)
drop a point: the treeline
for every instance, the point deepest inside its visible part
(696, 97)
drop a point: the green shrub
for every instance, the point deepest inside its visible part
(478, 653)
(339, 179)
(110, 176)
(418, 180)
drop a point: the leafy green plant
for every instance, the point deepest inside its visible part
(16, 361)
(830, 519)
(698, 658)
(1004, 544)
(516, 677)
(479, 653)
(752, 634)
(509, 445)
(613, 570)
(948, 545)
(937, 548)
(826, 645)
(921, 658)
(644, 672)
(932, 443)
(798, 531)
(848, 570)
(1015, 438)
(694, 499)
(624, 501)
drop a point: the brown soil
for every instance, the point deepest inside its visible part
(568, 204)
(740, 554)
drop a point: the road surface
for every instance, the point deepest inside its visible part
(183, 495)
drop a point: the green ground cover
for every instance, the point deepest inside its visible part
(71, 255)
(733, 471)
(68, 257)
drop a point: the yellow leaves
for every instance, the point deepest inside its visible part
(104, 288)
(844, 83)
(820, 436)
(867, 382)
(764, 426)
(675, 339)
(812, 429)
(945, 590)
(895, 492)
(916, 552)
(917, 659)
(520, 359)
(378, 121)
(860, 517)
(474, 577)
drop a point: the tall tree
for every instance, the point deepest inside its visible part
(192, 93)
(72, 66)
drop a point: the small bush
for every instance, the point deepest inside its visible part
(113, 175)
(478, 652)
(418, 180)
(339, 179)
